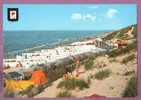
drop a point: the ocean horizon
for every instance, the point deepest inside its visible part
(23, 41)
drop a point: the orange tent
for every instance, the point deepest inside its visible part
(39, 77)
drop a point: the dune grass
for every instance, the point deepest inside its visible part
(89, 64)
(123, 30)
(9, 94)
(64, 94)
(131, 88)
(72, 84)
(102, 74)
(128, 58)
(120, 36)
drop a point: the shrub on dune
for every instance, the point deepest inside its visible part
(64, 94)
(72, 84)
(129, 58)
(131, 88)
(89, 64)
(102, 74)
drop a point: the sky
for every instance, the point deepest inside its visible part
(42, 17)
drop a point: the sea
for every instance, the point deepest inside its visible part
(17, 42)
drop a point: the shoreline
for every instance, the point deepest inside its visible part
(43, 56)
(12, 54)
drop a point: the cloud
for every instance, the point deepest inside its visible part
(89, 17)
(82, 17)
(111, 13)
(76, 16)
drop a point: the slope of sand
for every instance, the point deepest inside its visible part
(111, 86)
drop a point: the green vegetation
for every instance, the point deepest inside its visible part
(9, 94)
(73, 83)
(110, 36)
(131, 88)
(120, 36)
(128, 58)
(64, 94)
(135, 31)
(102, 74)
(124, 30)
(89, 64)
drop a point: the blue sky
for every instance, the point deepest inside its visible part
(71, 16)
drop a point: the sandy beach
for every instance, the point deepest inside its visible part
(112, 86)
